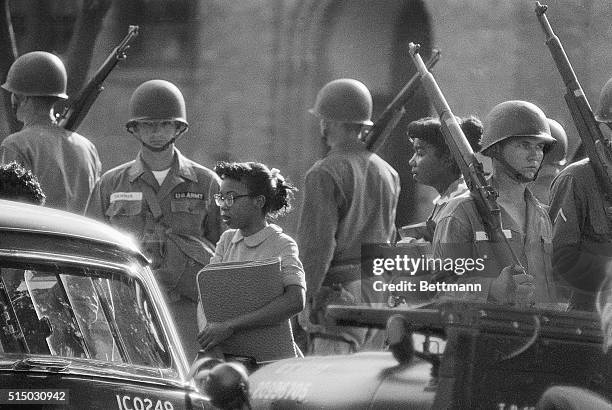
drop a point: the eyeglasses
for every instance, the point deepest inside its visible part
(228, 199)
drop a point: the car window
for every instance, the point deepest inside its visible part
(81, 312)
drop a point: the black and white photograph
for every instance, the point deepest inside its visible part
(305, 204)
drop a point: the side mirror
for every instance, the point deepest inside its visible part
(226, 384)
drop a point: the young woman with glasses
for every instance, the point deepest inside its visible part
(251, 194)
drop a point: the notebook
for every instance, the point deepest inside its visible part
(229, 289)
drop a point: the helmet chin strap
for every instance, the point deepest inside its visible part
(163, 147)
(513, 173)
(158, 149)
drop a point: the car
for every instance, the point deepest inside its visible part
(83, 323)
(448, 355)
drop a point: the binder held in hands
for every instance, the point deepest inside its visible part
(230, 289)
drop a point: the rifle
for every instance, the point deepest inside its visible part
(426, 317)
(74, 114)
(394, 112)
(579, 107)
(485, 196)
(489, 318)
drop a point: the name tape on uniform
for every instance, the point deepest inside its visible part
(126, 196)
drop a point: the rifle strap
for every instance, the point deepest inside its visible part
(513, 173)
(198, 249)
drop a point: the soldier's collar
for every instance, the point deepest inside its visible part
(349, 145)
(184, 168)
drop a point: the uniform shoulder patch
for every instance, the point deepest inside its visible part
(483, 236)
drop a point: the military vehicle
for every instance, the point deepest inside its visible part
(83, 324)
(452, 355)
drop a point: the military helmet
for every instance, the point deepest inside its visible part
(514, 119)
(604, 109)
(37, 73)
(344, 100)
(157, 100)
(557, 155)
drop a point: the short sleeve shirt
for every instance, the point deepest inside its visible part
(270, 242)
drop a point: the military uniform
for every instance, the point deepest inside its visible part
(350, 198)
(460, 234)
(177, 224)
(582, 232)
(66, 164)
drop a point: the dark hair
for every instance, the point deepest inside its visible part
(260, 180)
(428, 129)
(18, 184)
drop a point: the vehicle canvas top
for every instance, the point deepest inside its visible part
(82, 320)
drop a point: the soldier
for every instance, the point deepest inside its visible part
(516, 135)
(66, 164)
(164, 200)
(350, 198)
(582, 221)
(553, 163)
(19, 184)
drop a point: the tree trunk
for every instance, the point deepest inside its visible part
(8, 53)
(80, 49)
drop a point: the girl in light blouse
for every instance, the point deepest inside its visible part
(250, 195)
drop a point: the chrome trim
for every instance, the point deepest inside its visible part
(130, 247)
(83, 370)
(80, 260)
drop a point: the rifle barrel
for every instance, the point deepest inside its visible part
(579, 107)
(471, 169)
(75, 112)
(394, 111)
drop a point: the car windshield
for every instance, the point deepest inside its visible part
(78, 312)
